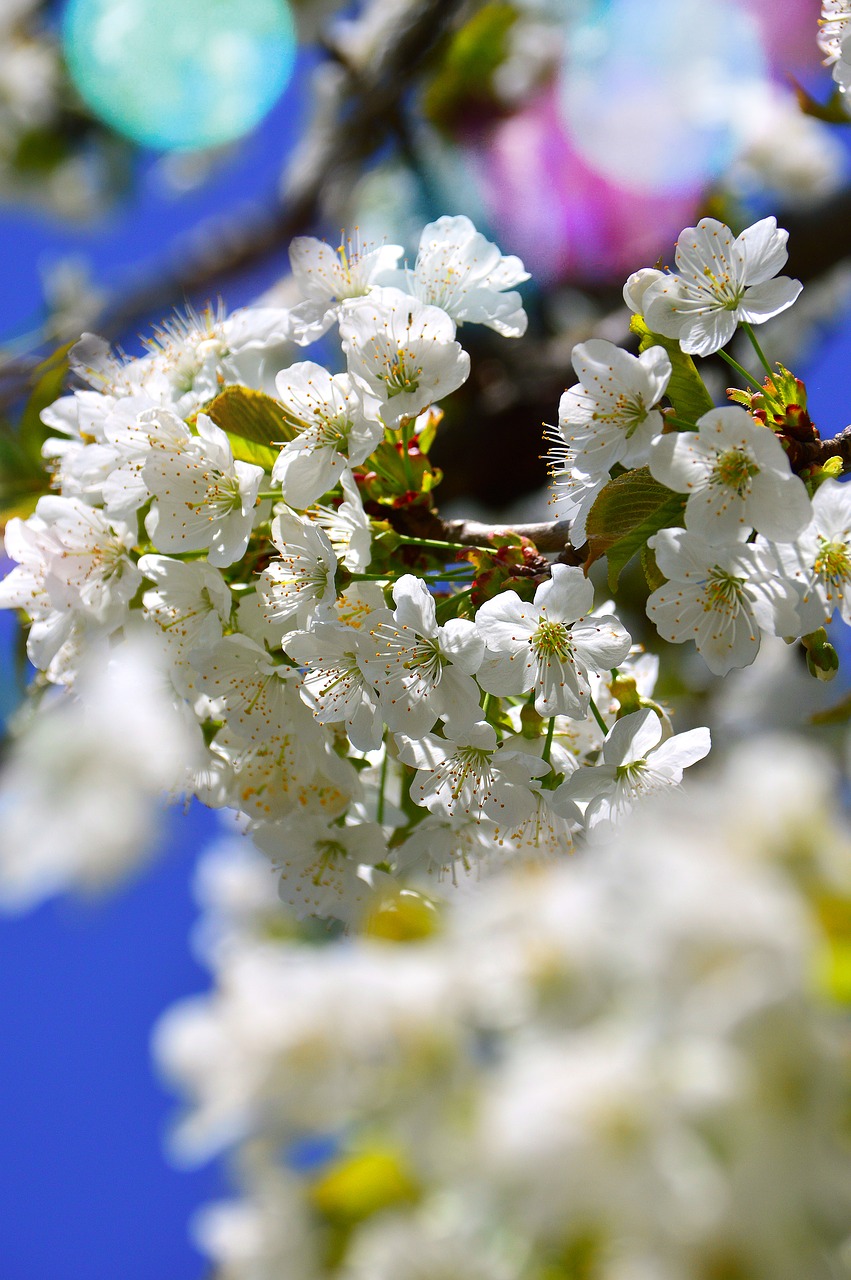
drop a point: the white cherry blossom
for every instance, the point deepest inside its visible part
(546, 833)
(200, 352)
(422, 671)
(609, 417)
(737, 477)
(574, 491)
(720, 282)
(403, 350)
(819, 560)
(462, 272)
(338, 426)
(327, 277)
(133, 436)
(203, 499)
(834, 39)
(719, 596)
(31, 545)
(451, 851)
(550, 644)
(88, 566)
(246, 686)
(465, 774)
(281, 771)
(322, 867)
(347, 526)
(303, 579)
(637, 285)
(334, 683)
(635, 763)
(189, 605)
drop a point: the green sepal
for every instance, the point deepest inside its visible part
(834, 111)
(686, 389)
(387, 477)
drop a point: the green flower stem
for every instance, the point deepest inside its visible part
(406, 457)
(370, 577)
(445, 608)
(680, 422)
(548, 742)
(596, 714)
(274, 495)
(382, 779)
(748, 328)
(734, 364)
(432, 544)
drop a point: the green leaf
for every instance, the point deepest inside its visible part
(466, 72)
(48, 382)
(627, 512)
(255, 425)
(838, 714)
(686, 389)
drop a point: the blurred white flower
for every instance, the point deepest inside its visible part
(81, 795)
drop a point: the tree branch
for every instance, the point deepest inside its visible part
(815, 453)
(546, 535)
(347, 128)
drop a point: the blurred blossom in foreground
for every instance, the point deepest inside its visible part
(629, 1064)
(81, 793)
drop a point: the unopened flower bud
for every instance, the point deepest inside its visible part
(822, 658)
(531, 724)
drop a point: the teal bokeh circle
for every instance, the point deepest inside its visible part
(180, 75)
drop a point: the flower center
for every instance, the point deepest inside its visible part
(427, 660)
(401, 377)
(627, 412)
(552, 640)
(222, 497)
(467, 762)
(330, 675)
(328, 853)
(326, 433)
(630, 770)
(728, 293)
(723, 592)
(734, 469)
(833, 563)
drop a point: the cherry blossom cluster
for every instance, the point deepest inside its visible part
(737, 544)
(623, 1061)
(362, 714)
(834, 30)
